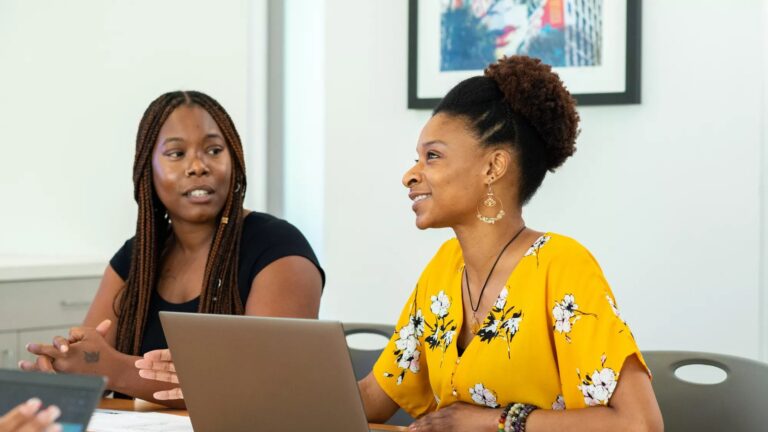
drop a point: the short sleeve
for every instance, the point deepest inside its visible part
(121, 261)
(592, 341)
(401, 370)
(267, 239)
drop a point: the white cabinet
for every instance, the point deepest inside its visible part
(45, 303)
(9, 346)
(44, 336)
(38, 302)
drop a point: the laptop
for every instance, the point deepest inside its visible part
(76, 395)
(243, 373)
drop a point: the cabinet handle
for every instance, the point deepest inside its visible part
(74, 303)
(5, 356)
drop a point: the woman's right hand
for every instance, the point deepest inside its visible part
(158, 365)
(28, 417)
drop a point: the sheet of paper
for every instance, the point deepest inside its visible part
(123, 421)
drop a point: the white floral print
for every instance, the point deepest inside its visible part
(407, 345)
(483, 396)
(502, 299)
(440, 304)
(566, 313)
(598, 387)
(534, 249)
(448, 337)
(563, 313)
(614, 308)
(501, 321)
(559, 403)
(442, 331)
(512, 324)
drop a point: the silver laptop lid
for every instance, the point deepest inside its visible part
(264, 374)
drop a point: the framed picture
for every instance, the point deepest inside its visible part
(594, 45)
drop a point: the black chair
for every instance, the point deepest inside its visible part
(363, 360)
(736, 404)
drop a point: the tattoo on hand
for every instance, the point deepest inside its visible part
(91, 357)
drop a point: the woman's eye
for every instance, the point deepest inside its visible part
(175, 154)
(432, 155)
(215, 150)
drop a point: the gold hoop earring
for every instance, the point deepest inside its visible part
(490, 201)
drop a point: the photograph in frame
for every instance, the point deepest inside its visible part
(593, 45)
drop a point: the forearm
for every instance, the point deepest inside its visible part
(593, 419)
(124, 378)
(377, 405)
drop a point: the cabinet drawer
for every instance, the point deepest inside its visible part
(45, 303)
(44, 336)
(8, 350)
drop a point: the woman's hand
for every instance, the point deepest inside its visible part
(84, 351)
(459, 416)
(158, 365)
(28, 417)
(42, 363)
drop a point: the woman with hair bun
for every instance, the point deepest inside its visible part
(508, 328)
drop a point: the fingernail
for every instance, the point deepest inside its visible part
(30, 407)
(56, 412)
(54, 428)
(52, 413)
(64, 348)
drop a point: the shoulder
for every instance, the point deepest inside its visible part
(557, 249)
(449, 255)
(442, 267)
(265, 227)
(121, 261)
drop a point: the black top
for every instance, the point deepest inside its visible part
(265, 239)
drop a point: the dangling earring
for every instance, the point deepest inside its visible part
(490, 201)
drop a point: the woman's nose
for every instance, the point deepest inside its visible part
(197, 166)
(412, 176)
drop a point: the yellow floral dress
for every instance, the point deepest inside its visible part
(554, 337)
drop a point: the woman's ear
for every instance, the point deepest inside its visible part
(499, 161)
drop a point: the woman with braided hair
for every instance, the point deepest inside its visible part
(508, 328)
(196, 249)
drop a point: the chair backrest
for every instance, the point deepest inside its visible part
(739, 403)
(363, 359)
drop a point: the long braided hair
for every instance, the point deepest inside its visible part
(219, 293)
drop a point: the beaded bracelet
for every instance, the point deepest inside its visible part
(518, 418)
(514, 416)
(503, 418)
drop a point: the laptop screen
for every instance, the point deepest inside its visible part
(76, 395)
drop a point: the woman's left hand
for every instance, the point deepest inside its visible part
(457, 417)
(86, 352)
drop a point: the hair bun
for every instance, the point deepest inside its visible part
(535, 92)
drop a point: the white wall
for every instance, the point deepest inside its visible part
(666, 194)
(763, 324)
(304, 118)
(74, 82)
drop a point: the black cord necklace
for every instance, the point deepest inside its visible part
(466, 274)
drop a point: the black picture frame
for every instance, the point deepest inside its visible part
(630, 95)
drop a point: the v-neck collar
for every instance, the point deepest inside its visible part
(459, 320)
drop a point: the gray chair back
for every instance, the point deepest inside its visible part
(363, 360)
(740, 403)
